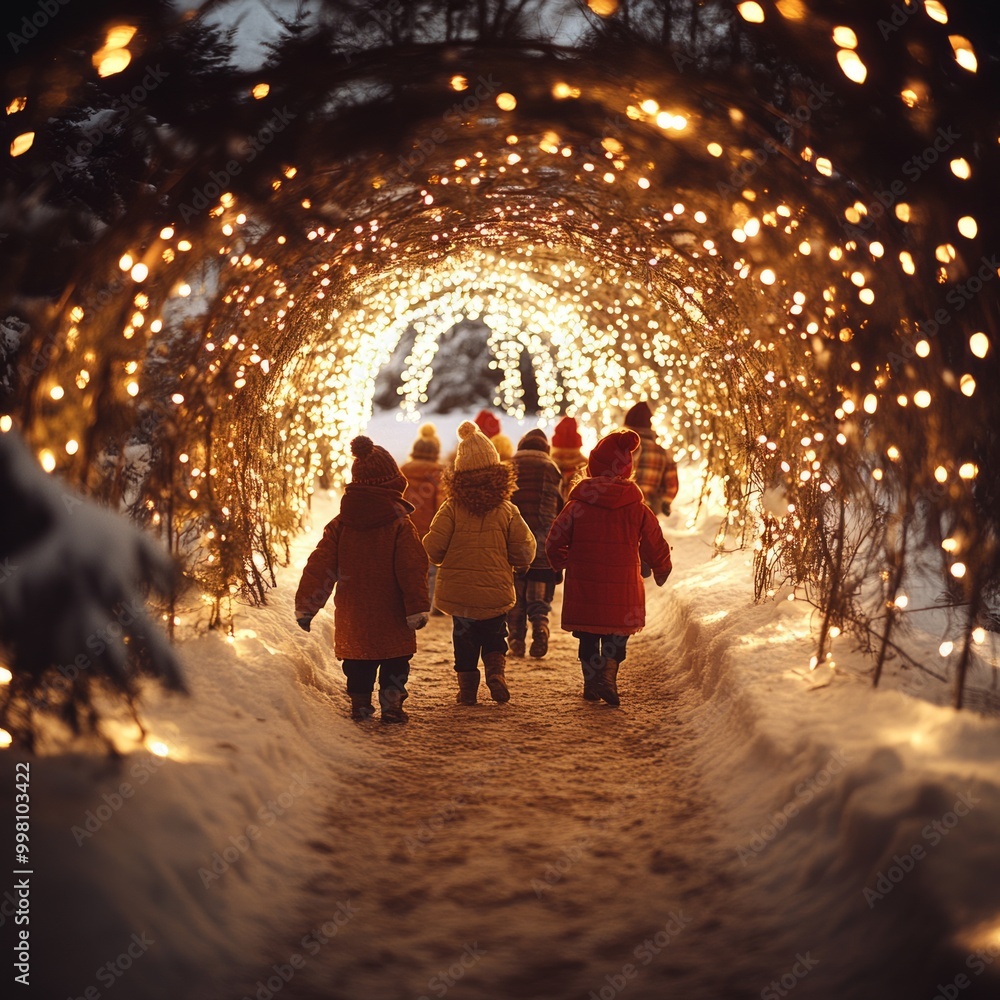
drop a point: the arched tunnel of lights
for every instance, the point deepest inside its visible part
(797, 285)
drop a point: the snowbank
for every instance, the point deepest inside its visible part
(179, 870)
(866, 818)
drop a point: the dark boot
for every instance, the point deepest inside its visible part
(495, 679)
(607, 686)
(591, 676)
(468, 686)
(391, 701)
(539, 637)
(361, 706)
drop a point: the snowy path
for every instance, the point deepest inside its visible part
(555, 849)
(535, 849)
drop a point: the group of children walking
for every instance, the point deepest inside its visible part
(486, 541)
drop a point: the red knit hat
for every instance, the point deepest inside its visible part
(612, 455)
(374, 466)
(639, 416)
(487, 423)
(566, 435)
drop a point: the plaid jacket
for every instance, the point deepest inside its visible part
(655, 470)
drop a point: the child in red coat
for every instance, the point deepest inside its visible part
(599, 539)
(372, 554)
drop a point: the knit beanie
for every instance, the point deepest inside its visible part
(475, 450)
(503, 445)
(487, 423)
(427, 445)
(639, 416)
(374, 466)
(534, 440)
(612, 455)
(566, 435)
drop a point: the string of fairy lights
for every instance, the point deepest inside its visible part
(662, 262)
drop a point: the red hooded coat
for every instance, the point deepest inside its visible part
(371, 553)
(598, 539)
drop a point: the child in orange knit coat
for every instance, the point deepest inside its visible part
(371, 553)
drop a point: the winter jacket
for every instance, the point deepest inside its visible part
(423, 490)
(539, 499)
(598, 539)
(476, 538)
(372, 554)
(655, 470)
(572, 463)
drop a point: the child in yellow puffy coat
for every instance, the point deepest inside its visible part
(476, 540)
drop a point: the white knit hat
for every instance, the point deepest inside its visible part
(475, 450)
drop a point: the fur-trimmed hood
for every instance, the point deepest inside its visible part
(481, 490)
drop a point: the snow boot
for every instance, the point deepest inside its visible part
(361, 706)
(391, 700)
(495, 679)
(468, 686)
(607, 682)
(591, 675)
(539, 637)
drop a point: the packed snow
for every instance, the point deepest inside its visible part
(742, 826)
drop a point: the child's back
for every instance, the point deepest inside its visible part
(372, 554)
(539, 498)
(475, 539)
(599, 538)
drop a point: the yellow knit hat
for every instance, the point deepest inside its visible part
(504, 446)
(475, 450)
